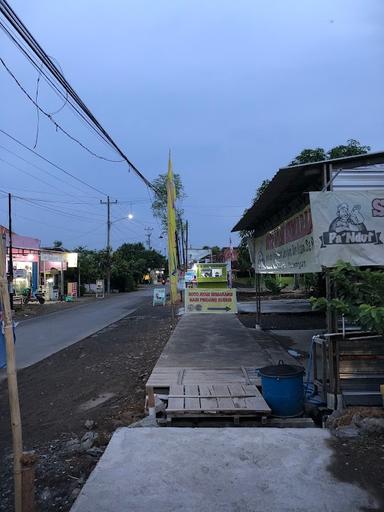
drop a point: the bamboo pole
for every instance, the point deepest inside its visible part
(28, 462)
(13, 394)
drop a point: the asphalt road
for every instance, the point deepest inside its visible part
(40, 337)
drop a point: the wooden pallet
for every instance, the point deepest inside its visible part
(164, 376)
(196, 400)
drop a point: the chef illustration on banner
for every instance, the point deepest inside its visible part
(348, 227)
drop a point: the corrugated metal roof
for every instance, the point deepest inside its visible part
(361, 178)
(286, 192)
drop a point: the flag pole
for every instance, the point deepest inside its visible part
(171, 217)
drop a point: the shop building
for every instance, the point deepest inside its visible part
(25, 261)
(53, 264)
(36, 267)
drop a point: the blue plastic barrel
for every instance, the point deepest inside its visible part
(282, 387)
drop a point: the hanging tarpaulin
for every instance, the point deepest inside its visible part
(287, 249)
(172, 252)
(348, 226)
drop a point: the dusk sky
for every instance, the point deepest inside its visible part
(236, 89)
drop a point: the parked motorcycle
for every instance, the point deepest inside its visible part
(30, 297)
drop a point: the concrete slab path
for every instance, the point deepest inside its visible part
(212, 341)
(226, 470)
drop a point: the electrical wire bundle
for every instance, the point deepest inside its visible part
(56, 80)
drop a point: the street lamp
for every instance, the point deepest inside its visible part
(128, 217)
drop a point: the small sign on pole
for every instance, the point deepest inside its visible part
(159, 297)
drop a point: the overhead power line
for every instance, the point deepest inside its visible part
(52, 163)
(50, 117)
(24, 33)
(51, 84)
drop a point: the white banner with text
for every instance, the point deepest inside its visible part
(287, 249)
(348, 226)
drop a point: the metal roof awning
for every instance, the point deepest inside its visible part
(286, 193)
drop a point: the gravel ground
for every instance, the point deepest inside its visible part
(100, 379)
(74, 400)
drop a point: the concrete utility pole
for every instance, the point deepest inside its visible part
(186, 245)
(108, 202)
(148, 232)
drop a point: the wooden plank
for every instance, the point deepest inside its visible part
(235, 390)
(176, 403)
(228, 413)
(223, 403)
(180, 376)
(257, 402)
(252, 395)
(191, 404)
(208, 376)
(246, 376)
(207, 403)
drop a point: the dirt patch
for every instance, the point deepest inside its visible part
(106, 373)
(358, 449)
(34, 309)
(249, 296)
(289, 321)
(360, 461)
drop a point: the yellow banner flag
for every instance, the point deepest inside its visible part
(171, 210)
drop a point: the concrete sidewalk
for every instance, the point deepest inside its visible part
(226, 470)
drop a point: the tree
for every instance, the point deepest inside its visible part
(92, 264)
(309, 155)
(159, 204)
(57, 244)
(130, 262)
(128, 265)
(353, 147)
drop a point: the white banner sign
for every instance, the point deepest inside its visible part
(195, 255)
(287, 249)
(348, 226)
(52, 256)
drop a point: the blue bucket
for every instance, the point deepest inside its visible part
(282, 387)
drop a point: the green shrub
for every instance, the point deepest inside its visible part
(359, 296)
(274, 285)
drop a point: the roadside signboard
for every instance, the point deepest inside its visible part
(210, 300)
(212, 275)
(159, 297)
